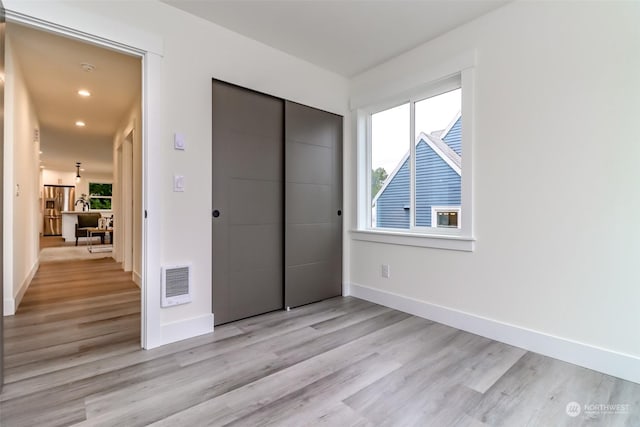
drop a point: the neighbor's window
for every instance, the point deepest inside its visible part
(445, 216)
(413, 171)
(100, 195)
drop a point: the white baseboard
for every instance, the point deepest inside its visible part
(10, 305)
(26, 283)
(189, 328)
(137, 279)
(609, 362)
(346, 289)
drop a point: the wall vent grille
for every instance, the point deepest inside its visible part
(176, 288)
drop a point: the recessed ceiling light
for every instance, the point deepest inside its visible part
(40, 151)
(80, 123)
(41, 166)
(84, 92)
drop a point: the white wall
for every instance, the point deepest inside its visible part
(555, 176)
(54, 177)
(195, 51)
(21, 186)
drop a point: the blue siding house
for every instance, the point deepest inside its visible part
(438, 183)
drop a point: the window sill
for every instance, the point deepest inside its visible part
(453, 243)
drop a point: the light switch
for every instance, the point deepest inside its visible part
(178, 183)
(179, 142)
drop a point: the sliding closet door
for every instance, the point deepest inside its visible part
(248, 203)
(313, 205)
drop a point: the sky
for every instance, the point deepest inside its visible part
(390, 128)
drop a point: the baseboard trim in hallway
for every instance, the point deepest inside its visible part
(11, 304)
(602, 360)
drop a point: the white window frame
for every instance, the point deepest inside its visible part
(437, 209)
(445, 76)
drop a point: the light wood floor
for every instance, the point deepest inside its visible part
(73, 359)
(54, 242)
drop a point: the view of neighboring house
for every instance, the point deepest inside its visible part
(438, 183)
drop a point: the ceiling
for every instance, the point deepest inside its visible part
(347, 36)
(51, 67)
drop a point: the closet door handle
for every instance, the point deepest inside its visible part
(339, 212)
(216, 213)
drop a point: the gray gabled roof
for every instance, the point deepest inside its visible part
(447, 153)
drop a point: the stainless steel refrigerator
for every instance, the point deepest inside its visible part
(57, 198)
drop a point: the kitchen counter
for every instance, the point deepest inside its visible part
(69, 221)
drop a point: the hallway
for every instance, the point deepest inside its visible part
(74, 312)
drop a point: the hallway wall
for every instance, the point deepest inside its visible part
(21, 186)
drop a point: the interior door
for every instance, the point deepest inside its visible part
(313, 205)
(247, 198)
(2, 29)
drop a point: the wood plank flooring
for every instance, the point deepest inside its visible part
(54, 242)
(73, 358)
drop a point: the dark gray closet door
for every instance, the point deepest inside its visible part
(248, 203)
(313, 205)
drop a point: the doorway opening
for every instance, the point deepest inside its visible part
(71, 107)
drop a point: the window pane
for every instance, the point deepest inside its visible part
(99, 189)
(100, 203)
(390, 135)
(447, 219)
(438, 157)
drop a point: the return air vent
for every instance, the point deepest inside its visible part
(176, 287)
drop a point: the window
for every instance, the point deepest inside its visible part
(445, 216)
(100, 195)
(414, 159)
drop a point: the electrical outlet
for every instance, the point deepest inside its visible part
(386, 271)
